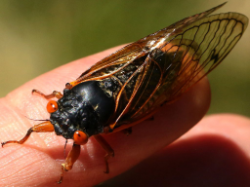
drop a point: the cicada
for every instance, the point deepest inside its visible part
(130, 85)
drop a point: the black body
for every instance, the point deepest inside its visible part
(86, 107)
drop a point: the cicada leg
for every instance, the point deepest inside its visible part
(70, 160)
(56, 94)
(42, 127)
(107, 148)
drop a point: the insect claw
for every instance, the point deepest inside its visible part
(60, 181)
(62, 172)
(3, 143)
(34, 90)
(37, 92)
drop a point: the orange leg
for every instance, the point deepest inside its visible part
(42, 127)
(70, 160)
(56, 94)
(107, 148)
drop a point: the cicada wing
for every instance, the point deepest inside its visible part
(111, 64)
(141, 85)
(186, 58)
(123, 57)
(204, 45)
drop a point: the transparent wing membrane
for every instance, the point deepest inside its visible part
(160, 67)
(189, 55)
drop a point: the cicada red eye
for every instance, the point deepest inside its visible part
(80, 138)
(52, 106)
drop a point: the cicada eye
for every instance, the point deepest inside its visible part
(52, 106)
(80, 138)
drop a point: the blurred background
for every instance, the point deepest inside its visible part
(38, 36)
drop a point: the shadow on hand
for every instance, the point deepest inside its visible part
(205, 160)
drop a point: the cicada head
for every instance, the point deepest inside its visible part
(82, 111)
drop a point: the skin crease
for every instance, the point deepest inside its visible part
(37, 162)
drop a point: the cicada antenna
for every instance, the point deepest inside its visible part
(65, 145)
(36, 119)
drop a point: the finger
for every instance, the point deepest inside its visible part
(44, 152)
(214, 153)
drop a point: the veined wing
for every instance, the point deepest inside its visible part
(186, 57)
(125, 56)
